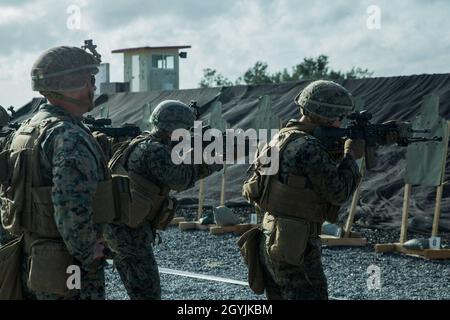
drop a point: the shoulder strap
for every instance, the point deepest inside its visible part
(280, 141)
(123, 152)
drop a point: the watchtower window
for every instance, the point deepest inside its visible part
(163, 62)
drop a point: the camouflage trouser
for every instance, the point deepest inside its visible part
(134, 260)
(92, 285)
(290, 282)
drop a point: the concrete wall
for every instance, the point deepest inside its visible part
(102, 76)
(151, 78)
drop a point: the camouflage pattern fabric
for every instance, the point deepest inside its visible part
(287, 282)
(133, 255)
(62, 69)
(306, 156)
(72, 161)
(326, 99)
(172, 114)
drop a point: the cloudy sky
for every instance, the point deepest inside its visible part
(398, 37)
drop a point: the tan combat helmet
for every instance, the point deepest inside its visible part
(62, 69)
(172, 114)
(325, 99)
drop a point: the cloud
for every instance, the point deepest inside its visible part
(229, 36)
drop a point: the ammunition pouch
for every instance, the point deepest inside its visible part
(16, 190)
(289, 200)
(103, 206)
(122, 197)
(286, 238)
(146, 201)
(49, 260)
(10, 270)
(42, 220)
(166, 213)
(248, 246)
(253, 188)
(139, 199)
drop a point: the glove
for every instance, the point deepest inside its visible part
(355, 148)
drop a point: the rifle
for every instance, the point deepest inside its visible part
(373, 134)
(103, 125)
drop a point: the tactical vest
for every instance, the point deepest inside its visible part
(26, 200)
(139, 199)
(286, 200)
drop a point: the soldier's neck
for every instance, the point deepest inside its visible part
(161, 136)
(307, 125)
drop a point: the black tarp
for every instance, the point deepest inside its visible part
(390, 98)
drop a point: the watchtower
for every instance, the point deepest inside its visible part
(152, 68)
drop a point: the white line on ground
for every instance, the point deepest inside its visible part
(207, 277)
(201, 276)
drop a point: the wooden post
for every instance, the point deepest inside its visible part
(437, 210)
(404, 226)
(356, 195)
(222, 192)
(440, 188)
(201, 196)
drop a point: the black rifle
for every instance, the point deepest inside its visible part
(103, 125)
(373, 134)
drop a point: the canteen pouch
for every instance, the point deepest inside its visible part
(248, 246)
(287, 239)
(49, 260)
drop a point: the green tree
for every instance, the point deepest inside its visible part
(212, 78)
(256, 75)
(308, 69)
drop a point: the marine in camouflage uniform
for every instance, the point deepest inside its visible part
(151, 160)
(332, 182)
(72, 163)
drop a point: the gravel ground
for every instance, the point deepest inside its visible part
(402, 277)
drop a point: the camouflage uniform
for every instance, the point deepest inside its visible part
(333, 182)
(72, 161)
(132, 247)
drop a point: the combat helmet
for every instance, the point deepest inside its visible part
(172, 114)
(63, 69)
(325, 99)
